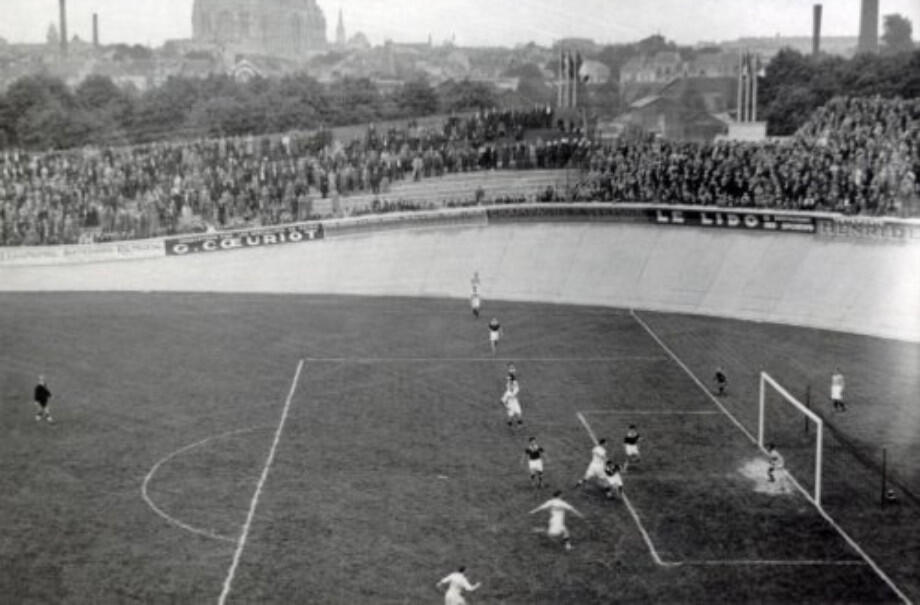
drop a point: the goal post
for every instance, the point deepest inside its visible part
(768, 387)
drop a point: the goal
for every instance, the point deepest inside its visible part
(796, 431)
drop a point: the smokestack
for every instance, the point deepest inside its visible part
(816, 32)
(96, 30)
(868, 27)
(63, 26)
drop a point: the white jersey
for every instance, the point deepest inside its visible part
(776, 460)
(456, 584)
(557, 509)
(598, 455)
(512, 405)
(837, 386)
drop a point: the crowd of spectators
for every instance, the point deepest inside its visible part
(132, 192)
(853, 156)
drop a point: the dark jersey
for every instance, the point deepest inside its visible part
(494, 326)
(42, 394)
(631, 439)
(720, 377)
(534, 453)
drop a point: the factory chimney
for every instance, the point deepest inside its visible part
(63, 27)
(816, 32)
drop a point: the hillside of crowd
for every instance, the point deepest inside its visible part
(854, 156)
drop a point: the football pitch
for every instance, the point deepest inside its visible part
(307, 449)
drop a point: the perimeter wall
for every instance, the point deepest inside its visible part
(818, 270)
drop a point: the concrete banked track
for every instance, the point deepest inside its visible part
(841, 284)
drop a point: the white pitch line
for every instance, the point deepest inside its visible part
(652, 412)
(156, 467)
(241, 543)
(484, 359)
(777, 562)
(584, 423)
(632, 511)
(713, 562)
(878, 570)
(648, 540)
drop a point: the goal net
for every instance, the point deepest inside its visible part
(795, 431)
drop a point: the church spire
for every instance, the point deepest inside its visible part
(340, 31)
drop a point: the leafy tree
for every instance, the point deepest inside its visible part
(789, 109)
(896, 36)
(467, 95)
(354, 101)
(416, 98)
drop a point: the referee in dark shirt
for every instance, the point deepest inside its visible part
(42, 396)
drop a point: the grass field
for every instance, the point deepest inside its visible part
(385, 462)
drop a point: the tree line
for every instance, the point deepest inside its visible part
(41, 112)
(795, 84)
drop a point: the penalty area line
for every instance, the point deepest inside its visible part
(712, 562)
(485, 359)
(830, 520)
(244, 533)
(709, 412)
(632, 511)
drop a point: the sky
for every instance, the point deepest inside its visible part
(473, 22)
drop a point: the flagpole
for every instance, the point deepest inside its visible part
(561, 79)
(738, 113)
(575, 79)
(754, 69)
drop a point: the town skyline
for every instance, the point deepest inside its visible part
(472, 22)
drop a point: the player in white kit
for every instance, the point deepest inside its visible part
(557, 508)
(837, 390)
(456, 584)
(511, 403)
(475, 303)
(596, 466)
(776, 462)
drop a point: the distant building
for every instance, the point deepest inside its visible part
(281, 28)
(660, 68)
(594, 73)
(691, 108)
(868, 27)
(768, 47)
(359, 42)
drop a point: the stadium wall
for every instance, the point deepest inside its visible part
(860, 277)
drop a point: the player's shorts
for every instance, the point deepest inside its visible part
(493, 336)
(535, 466)
(454, 599)
(595, 471)
(513, 407)
(836, 393)
(475, 304)
(556, 528)
(616, 481)
(632, 449)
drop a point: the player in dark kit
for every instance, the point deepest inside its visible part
(495, 333)
(42, 395)
(631, 445)
(721, 381)
(533, 454)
